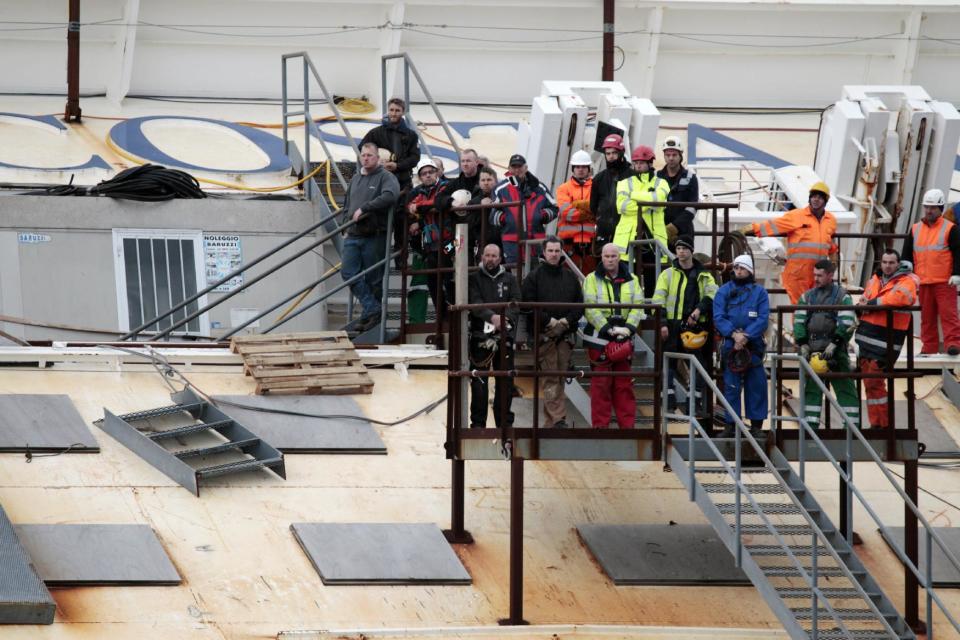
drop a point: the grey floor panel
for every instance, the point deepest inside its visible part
(944, 573)
(23, 597)
(931, 431)
(293, 433)
(355, 553)
(687, 554)
(97, 554)
(523, 410)
(43, 422)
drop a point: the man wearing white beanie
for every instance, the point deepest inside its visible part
(741, 313)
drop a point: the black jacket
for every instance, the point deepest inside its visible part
(683, 188)
(485, 287)
(548, 283)
(403, 145)
(603, 197)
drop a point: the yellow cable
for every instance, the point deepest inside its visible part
(296, 303)
(356, 105)
(230, 185)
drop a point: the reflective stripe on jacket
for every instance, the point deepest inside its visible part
(900, 290)
(671, 291)
(932, 258)
(573, 224)
(807, 237)
(630, 191)
(599, 288)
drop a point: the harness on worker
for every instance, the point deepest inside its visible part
(488, 342)
(822, 324)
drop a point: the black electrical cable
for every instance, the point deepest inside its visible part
(150, 183)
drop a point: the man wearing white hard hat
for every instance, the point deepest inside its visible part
(934, 249)
(683, 188)
(741, 313)
(576, 225)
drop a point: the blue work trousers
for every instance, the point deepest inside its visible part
(358, 254)
(753, 384)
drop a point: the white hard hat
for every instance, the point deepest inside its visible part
(460, 197)
(425, 162)
(933, 198)
(580, 159)
(672, 142)
(744, 261)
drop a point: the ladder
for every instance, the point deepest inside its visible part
(782, 539)
(220, 446)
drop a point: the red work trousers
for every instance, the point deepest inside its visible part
(876, 390)
(611, 394)
(938, 301)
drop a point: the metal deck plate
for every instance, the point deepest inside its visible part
(292, 434)
(380, 553)
(930, 429)
(685, 554)
(23, 597)
(85, 554)
(43, 422)
(944, 573)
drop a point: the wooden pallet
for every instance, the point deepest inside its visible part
(317, 363)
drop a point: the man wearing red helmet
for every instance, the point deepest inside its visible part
(642, 222)
(603, 192)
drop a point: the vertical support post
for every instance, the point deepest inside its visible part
(845, 525)
(516, 543)
(72, 109)
(911, 539)
(307, 119)
(459, 339)
(606, 73)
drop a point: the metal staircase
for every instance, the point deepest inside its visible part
(219, 446)
(781, 538)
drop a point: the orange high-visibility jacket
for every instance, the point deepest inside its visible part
(808, 241)
(900, 290)
(575, 223)
(932, 258)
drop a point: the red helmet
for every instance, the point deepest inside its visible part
(613, 141)
(642, 152)
(619, 351)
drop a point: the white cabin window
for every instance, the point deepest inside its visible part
(156, 269)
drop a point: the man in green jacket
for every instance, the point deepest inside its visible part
(823, 337)
(686, 291)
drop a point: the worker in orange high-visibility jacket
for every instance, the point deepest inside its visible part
(809, 233)
(934, 248)
(576, 225)
(893, 285)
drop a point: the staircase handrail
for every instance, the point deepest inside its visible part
(409, 66)
(853, 431)
(735, 473)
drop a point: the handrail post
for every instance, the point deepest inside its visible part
(803, 432)
(929, 585)
(816, 603)
(307, 117)
(737, 461)
(385, 279)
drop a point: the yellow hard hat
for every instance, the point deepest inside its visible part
(821, 187)
(818, 363)
(693, 339)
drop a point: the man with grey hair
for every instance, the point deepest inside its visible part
(372, 193)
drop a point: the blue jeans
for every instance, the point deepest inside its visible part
(358, 254)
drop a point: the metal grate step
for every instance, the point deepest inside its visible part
(776, 550)
(781, 509)
(790, 593)
(782, 529)
(242, 445)
(793, 572)
(843, 614)
(854, 634)
(742, 470)
(188, 429)
(162, 411)
(236, 467)
(758, 488)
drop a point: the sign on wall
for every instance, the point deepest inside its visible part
(221, 256)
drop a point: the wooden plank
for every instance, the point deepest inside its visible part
(306, 371)
(305, 381)
(344, 345)
(268, 338)
(300, 357)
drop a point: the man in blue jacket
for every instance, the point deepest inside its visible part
(741, 312)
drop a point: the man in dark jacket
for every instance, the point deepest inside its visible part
(492, 283)
(603, 194)
(396, 137)
(683, 188)
(468, 179)
(372, 193)
(551, 282)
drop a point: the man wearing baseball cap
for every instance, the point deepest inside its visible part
(603, 192)
(741, 313)
(538, 205)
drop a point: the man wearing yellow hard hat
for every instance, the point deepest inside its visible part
(809, 233)
(822, 337)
